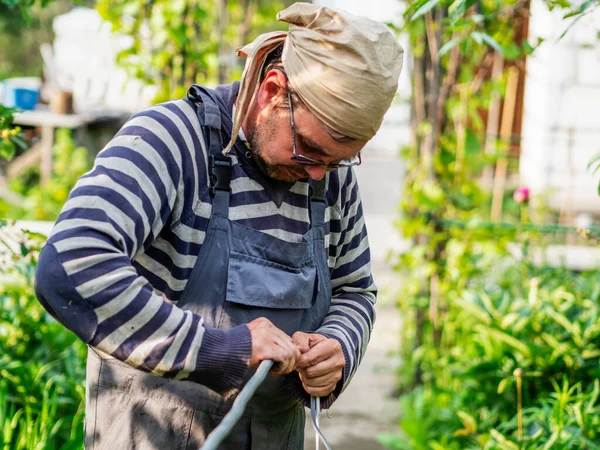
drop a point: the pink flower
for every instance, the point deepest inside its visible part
(521, 195)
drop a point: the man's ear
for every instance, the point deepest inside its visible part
(272, 90)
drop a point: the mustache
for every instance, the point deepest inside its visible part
(300, 173)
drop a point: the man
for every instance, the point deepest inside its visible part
(224, 229)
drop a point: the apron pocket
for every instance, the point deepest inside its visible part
(257, 282)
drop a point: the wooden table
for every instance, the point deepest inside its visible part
(49, 122)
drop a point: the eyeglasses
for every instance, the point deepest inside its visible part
(305, 160)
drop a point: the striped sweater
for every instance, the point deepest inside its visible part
(126, 241)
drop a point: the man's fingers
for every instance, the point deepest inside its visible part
(269, 342)
(320, 391)
(333, 364)
(322, 380)
(314, 339)
(285, 353)
(320, 352)
(302, 341)
(289, 356)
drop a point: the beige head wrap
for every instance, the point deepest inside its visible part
(344, 68)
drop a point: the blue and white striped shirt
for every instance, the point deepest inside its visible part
(127, 239)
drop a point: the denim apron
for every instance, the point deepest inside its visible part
(240, 274)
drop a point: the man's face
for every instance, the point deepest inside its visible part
(271, 142)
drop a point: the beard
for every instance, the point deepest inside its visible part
(259, 138)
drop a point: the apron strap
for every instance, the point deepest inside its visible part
(317, 202)
(219, 165)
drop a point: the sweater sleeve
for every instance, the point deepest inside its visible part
(85, 277)
(352, 311)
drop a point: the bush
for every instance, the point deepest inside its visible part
(517, 365)
(42, 365)
(45, 202)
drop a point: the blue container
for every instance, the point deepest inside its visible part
(20, 93)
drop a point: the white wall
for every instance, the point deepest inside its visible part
(561, 123)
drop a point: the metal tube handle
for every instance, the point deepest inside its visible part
(217, 436)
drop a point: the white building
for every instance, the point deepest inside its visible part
(561, 123)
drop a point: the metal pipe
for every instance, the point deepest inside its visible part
(217, 436)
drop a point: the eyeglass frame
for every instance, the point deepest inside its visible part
(307, 161)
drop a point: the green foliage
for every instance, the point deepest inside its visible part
(41, 364)
(544, 322)
(576, 11)
(45, 202)
(24, 3)
(178, 43)
(22, 29)
(473, 26)
(10, 136)
(498, 353)
(568, 418)
(23, 7)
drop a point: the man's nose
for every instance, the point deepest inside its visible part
(316, 172)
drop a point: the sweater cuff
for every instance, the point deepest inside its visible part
(223, 359)
(295, 389)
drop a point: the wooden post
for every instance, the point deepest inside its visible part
(491, 135)
(461, 130)
(22, 162)
(508, 115)
(46, 144)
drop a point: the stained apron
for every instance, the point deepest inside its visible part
(240, 274)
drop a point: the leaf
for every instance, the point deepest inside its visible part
(551, 441)
(594, 160)
(20, 142)
(590, 353)
(593, 397)
(424, 9)
(504, 384)
(503, 443)
(509, 319)
(7, 149)
(507, 339)
(449, 45)
(511, 51)
(484, 37)
(583, 8)
(468, 421)
(528, 49)
(577, 19)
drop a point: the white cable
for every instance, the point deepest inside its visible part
(315, 411)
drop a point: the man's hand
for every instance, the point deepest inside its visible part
(321, 364)
(269, 342)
